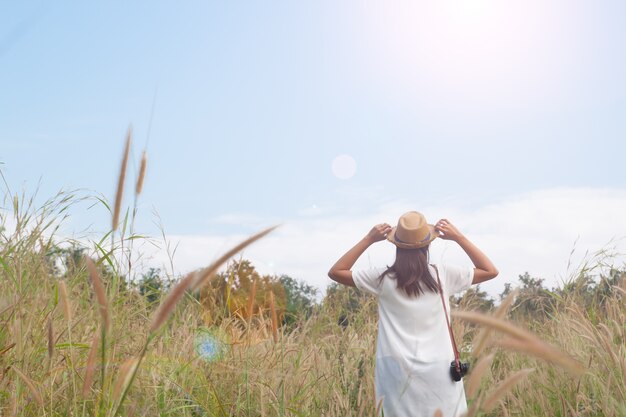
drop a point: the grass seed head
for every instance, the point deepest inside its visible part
(120, 181)
(544, 351)
(65, 301)
(480, 342)
(505, 386)
(90, 368)
(31, 386)
(473, 382)
(168, 305)
(100, 292)
(126, 371)
(142, 173)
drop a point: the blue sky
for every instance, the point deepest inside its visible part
(448, 107)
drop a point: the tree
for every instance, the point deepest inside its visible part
(533, 300)
(345, 303)
(474, 299)
(299, 297)
(242, 292)
(152, 285)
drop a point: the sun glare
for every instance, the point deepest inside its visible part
(477, 51)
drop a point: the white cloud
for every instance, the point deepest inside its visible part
(533, 232)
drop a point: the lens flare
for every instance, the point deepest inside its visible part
(344, 167)
(210, 345)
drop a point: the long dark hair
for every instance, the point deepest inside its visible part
(411, 272)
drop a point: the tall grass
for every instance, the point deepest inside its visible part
(79, 343)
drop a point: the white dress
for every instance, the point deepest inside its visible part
(413, 351)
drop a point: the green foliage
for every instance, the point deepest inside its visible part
(300, 299)
(153, 285)
(347, 304)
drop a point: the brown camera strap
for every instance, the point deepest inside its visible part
(445, 310)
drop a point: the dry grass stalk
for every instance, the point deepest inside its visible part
(65, 301)
(492, 400)
(142, 173)
(90, 368)
(126, 371)
(620, 289)
(17, 336)
(50, 338)
(543, 351)
(31, 386)
(7, 348)
(473, 382)
(207, 273)
(472, 410)
(120, 181)
(481, 339)
(379, 407)
(274, 317)
(100, 292)
(251, 299)
(606, 341)
(167, 306)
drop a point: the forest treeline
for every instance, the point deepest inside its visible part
(240, 291)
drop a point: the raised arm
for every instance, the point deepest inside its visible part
(341, 270)
(484, 270)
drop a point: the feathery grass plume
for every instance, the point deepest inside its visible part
(167, 306)
(50, 339)
(65, 301)
(208, 272)
(482, 337)
(100, 292)
(495, 323)
(523, 340)
(126, 371)
(90, 368)
(274, 318)
(473, 382)
(438, 413)
(31, 386)
(543, 351)
(505, 386)
(142, 173)
(120, 181)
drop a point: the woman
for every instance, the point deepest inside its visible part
(414, 349)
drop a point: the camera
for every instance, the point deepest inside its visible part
(460, 373)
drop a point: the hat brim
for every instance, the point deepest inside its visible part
(391, 236)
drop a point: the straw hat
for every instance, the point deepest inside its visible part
(412, 231)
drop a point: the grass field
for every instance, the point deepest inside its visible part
(81, 342)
